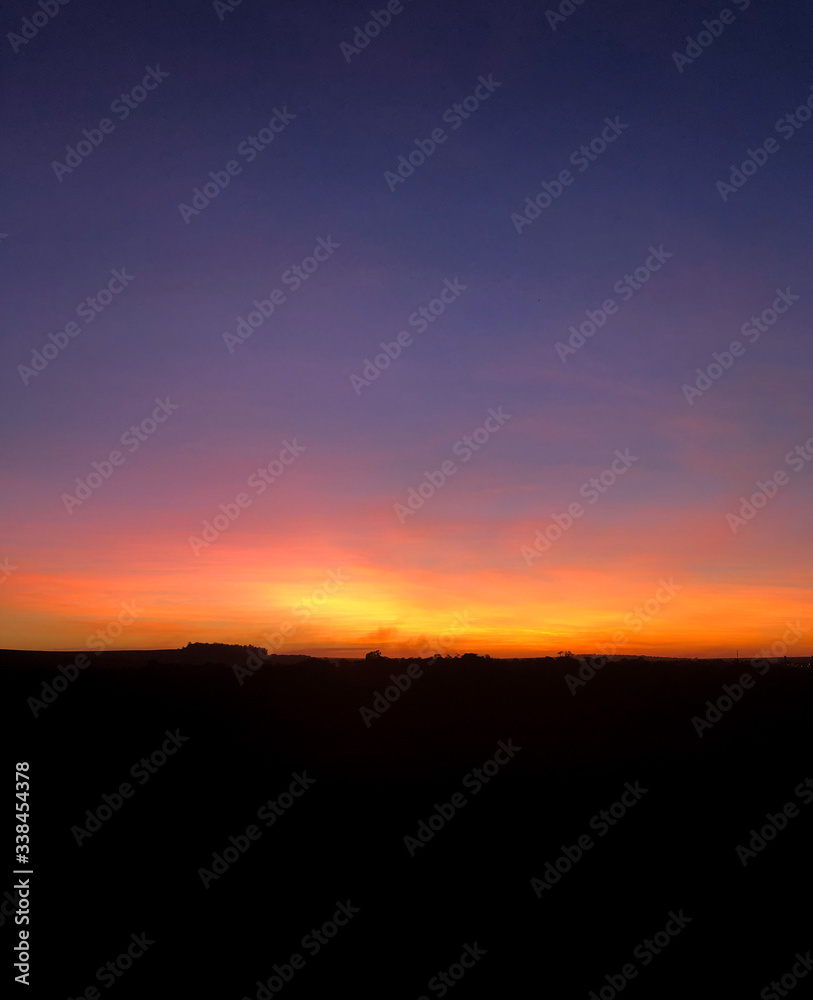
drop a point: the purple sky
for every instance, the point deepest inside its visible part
(679, 131)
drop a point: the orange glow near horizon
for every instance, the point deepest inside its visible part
(458, 559)
(230, 595)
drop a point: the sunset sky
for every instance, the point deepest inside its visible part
(231, 407)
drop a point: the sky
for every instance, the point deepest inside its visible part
(427, 412)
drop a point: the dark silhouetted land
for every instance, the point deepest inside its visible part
(378, 776)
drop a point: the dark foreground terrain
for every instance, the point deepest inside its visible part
(658, 903)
